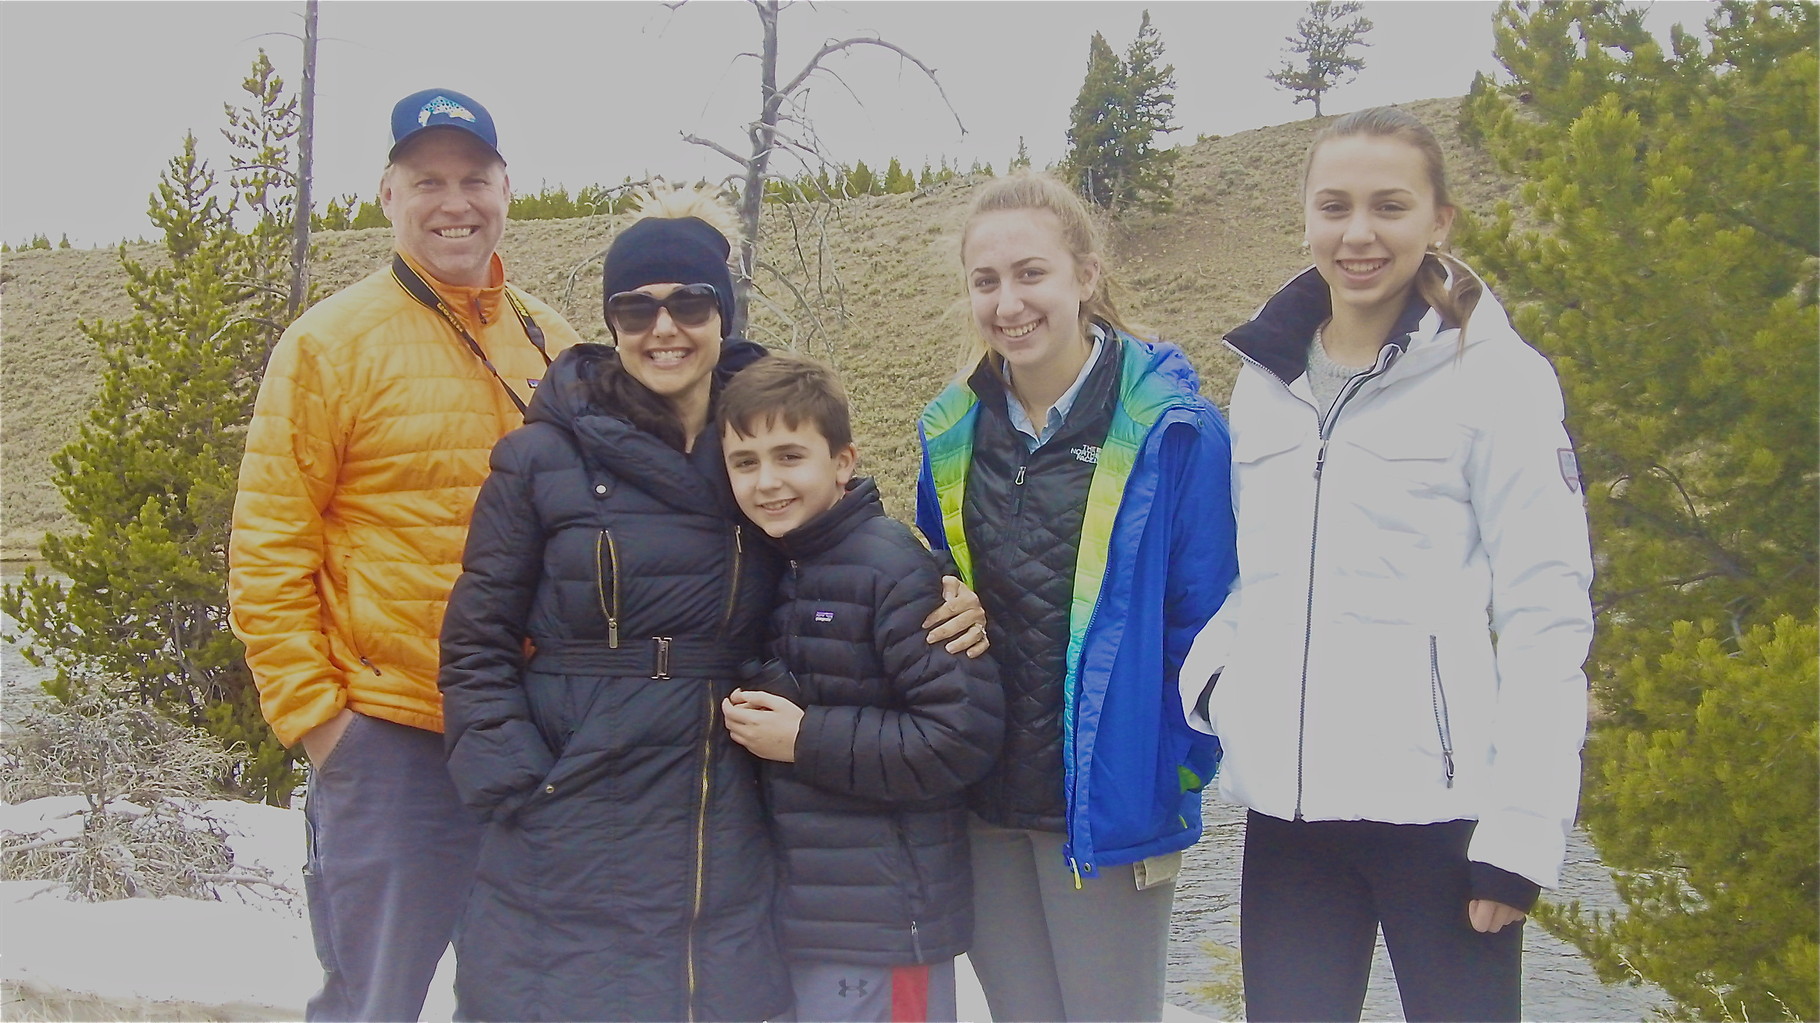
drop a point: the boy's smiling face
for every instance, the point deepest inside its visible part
(783, 476)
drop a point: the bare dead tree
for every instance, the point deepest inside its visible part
(306, 146)
(784, 125)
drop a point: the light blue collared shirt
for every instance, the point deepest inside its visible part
(1058, 412)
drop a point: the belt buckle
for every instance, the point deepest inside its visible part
(662, 669)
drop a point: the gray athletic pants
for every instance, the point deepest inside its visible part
(1045, 950)
(390, 860)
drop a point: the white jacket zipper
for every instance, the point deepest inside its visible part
(1437, 695)
(1347, 392)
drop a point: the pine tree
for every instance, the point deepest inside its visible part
(1123, 106)
(1671, 275)
(1149, 114)
(338, 215)
(1020, 161)
(151, 475)
(552, 202)
(262, 139)
(896, 181)
(1090, 164)
(1325, 41)
(371, 214)
(861, 180)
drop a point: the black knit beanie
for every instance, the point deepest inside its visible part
(671, 250)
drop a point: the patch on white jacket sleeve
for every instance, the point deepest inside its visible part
(1570, 469)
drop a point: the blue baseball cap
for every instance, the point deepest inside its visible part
(441, 108)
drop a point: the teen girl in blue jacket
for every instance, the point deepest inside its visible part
(1082, 486)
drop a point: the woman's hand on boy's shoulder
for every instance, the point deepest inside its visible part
(960, 621)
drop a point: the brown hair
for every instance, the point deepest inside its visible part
(1453, 302)
(790, 389)
(1029, 190)
(615, 391)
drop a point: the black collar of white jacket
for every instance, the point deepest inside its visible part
(1277, 337)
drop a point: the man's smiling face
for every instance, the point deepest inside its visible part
(446, 195)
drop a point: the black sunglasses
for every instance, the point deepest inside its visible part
(636, 312)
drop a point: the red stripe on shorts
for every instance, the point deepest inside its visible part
(910, 994)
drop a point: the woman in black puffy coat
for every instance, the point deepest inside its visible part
(610, 591)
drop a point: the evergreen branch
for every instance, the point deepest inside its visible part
(1806, 245)
(1605, 604)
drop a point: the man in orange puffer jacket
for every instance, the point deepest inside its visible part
(368, 445)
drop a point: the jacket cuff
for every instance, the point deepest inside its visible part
(944, 559)
(1500, 885)
(305, 717)
(809, 745)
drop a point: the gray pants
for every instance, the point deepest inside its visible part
(389, 864)
(1045, 950)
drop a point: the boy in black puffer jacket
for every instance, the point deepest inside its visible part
(870, 734)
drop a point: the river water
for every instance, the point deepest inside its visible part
(1557, 982)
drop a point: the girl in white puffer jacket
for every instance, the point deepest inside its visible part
(1396, 678)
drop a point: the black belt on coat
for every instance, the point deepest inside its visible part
(658, 657)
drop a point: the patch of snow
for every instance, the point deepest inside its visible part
(252, 946)
(249, 947)
(209, 952)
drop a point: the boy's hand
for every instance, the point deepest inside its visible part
(960, 620)
(764, 723)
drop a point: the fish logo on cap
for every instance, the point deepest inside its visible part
(445, 106)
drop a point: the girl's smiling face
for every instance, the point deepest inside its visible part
(1371, 215)
(1026, 287)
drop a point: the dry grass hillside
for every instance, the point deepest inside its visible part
(1191, 274)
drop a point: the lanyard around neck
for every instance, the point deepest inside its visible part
(419, 289)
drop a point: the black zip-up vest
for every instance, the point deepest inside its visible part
(1023, 514)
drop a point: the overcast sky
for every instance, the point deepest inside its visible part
(95, 97)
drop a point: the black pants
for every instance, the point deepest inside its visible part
(1311, 899)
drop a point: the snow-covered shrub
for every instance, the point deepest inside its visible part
(140, 778)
